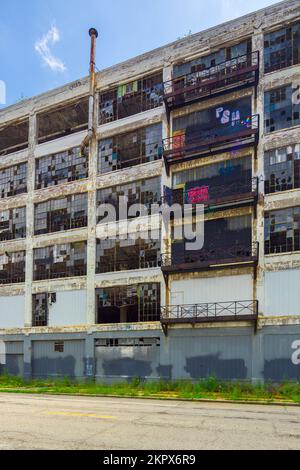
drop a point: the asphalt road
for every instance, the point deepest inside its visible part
(44, 422)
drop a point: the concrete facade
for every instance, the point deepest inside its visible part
(72, 342)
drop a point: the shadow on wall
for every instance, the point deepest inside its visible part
(127, 367)
(281, 370)
(202, 367)
(63, 367)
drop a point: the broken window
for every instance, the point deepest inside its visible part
(282, 169)
(40, 310)
(125, 255)
(59, 346)
(282, 231)
(13, 224)
(131, 98)
(223, 120)
(61, 168)
(63, 121)
(12, 267)
(145, 192)
(282, 48)
(59, 261)
(13, 180)
(127, 150)
(226, 178)
(14, 137)
(281, 110)
(65, 213)
(128, 304)
(127, 342)
(224, 239)
(215, 59)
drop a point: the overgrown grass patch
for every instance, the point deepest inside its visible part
(209, 388)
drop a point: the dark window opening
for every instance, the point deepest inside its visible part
(131, 98)
(59, 346)
(59, 261)
(40, 309)
(282, 48)
(13, 224)
(127, 150)
(127, 342)
(125, 255)
(12, 267)
(281, 110)
(14, 137)
(282, 231)
(60, 168)
(282, 169)
(128, 304)
(66, 213)
(63, 121)
(13, 181)
(145, 192)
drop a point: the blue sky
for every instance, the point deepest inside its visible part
(45, 43)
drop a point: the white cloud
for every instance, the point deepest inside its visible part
(42, 47)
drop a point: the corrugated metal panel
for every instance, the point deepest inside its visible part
(12, 311)
(216, 289)
(47, 362)
(14, 347)
(69, 309)
(198, 357)
(282, 296)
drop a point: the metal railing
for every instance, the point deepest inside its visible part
(210, 311)
(181, 146)
(236, 253)
(208, 81)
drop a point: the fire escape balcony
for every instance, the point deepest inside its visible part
(233, 195)
(234, 311)
(182, 148)
(209, 259)
(237, 73)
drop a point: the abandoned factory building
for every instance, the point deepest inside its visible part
(212, 119)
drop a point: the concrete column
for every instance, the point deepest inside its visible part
(27, 358)
(30, 220)
(89, 357)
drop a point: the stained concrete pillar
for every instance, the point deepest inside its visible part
(27, 358)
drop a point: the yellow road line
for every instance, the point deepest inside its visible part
(77, 415)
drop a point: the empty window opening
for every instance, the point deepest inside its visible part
(128, 304)
(63, 121)
(59, 261)
(131, 98)
(12, 267)
(130, 149)
(125, 255)
(14, 137)
(60, 168)
(13, 181)
(59, 346)
(127, 343)
(65, 213)
(13, 224)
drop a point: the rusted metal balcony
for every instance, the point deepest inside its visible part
(181, 148)
(208, 259)
(237, 73)
(237, 194)
(222, 312)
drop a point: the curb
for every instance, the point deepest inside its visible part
(189, 400)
